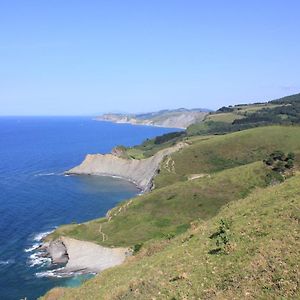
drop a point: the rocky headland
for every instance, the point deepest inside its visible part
(87, 257)
(179, 118)
(138, 171)
(82, 256)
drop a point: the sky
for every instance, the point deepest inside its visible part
(84, 57)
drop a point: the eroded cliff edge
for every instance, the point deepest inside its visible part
(81, 257)
(138, 171)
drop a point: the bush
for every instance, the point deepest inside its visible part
(289, 164)
(136, 248)
(273, 178)
(279, 162)
(222, 238)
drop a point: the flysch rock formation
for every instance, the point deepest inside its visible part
(138, 171)
(83, 256)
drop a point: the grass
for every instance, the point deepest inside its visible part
(223, 117)
(149, 148)
(229, 176)
(261, 262)
(242, 117)
(151, 216)
(227, 151)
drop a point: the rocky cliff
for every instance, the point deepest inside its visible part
(138, 171)
(179, 118)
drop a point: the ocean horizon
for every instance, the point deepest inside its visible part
(36, 196)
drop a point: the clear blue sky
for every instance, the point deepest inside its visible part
(85, 57)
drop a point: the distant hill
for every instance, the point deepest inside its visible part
(176, 118)
(283, 111)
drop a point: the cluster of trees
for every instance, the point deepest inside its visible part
(279, 161)
(286, 114)
(289, 99)
(225, 109)
(168, 137)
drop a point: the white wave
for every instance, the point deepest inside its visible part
(60, 273)
(45, 174)
(7, 262)
(39, 236)
(50, 273)
(38, 259)
(33, 247)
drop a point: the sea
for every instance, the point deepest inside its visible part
(36, 196)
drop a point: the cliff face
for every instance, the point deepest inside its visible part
(140, 172)
(181, 118)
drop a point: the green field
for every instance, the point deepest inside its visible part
(223, 117)
(227, 151)
(151, 216)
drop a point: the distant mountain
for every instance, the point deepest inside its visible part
(176, 118)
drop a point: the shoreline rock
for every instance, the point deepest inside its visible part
(82, 256)
(138, 171)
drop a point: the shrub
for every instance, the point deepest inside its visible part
(222, 238)
(136, 248)
(279, 162)
(289, 164)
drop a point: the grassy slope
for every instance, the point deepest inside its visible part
(241, 117)
(263, 259)
(227, 151)
(223, 117)
(153, 215)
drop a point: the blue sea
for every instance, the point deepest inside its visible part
(35, 196)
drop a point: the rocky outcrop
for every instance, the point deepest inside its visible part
(92, 257)
(138, 171)
(83, 256)
(58, 252)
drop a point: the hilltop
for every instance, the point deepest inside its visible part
(177, 118)
(284, 111)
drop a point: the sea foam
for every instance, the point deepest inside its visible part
(7, 262)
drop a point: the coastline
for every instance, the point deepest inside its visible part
(137, 171)
(139, 124)
(74, 256)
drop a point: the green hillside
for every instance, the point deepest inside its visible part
(222, 152)
(284, 111)
(225, 168)
(222, 221)
(244, 116)
(151, 215)
(259, 260)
